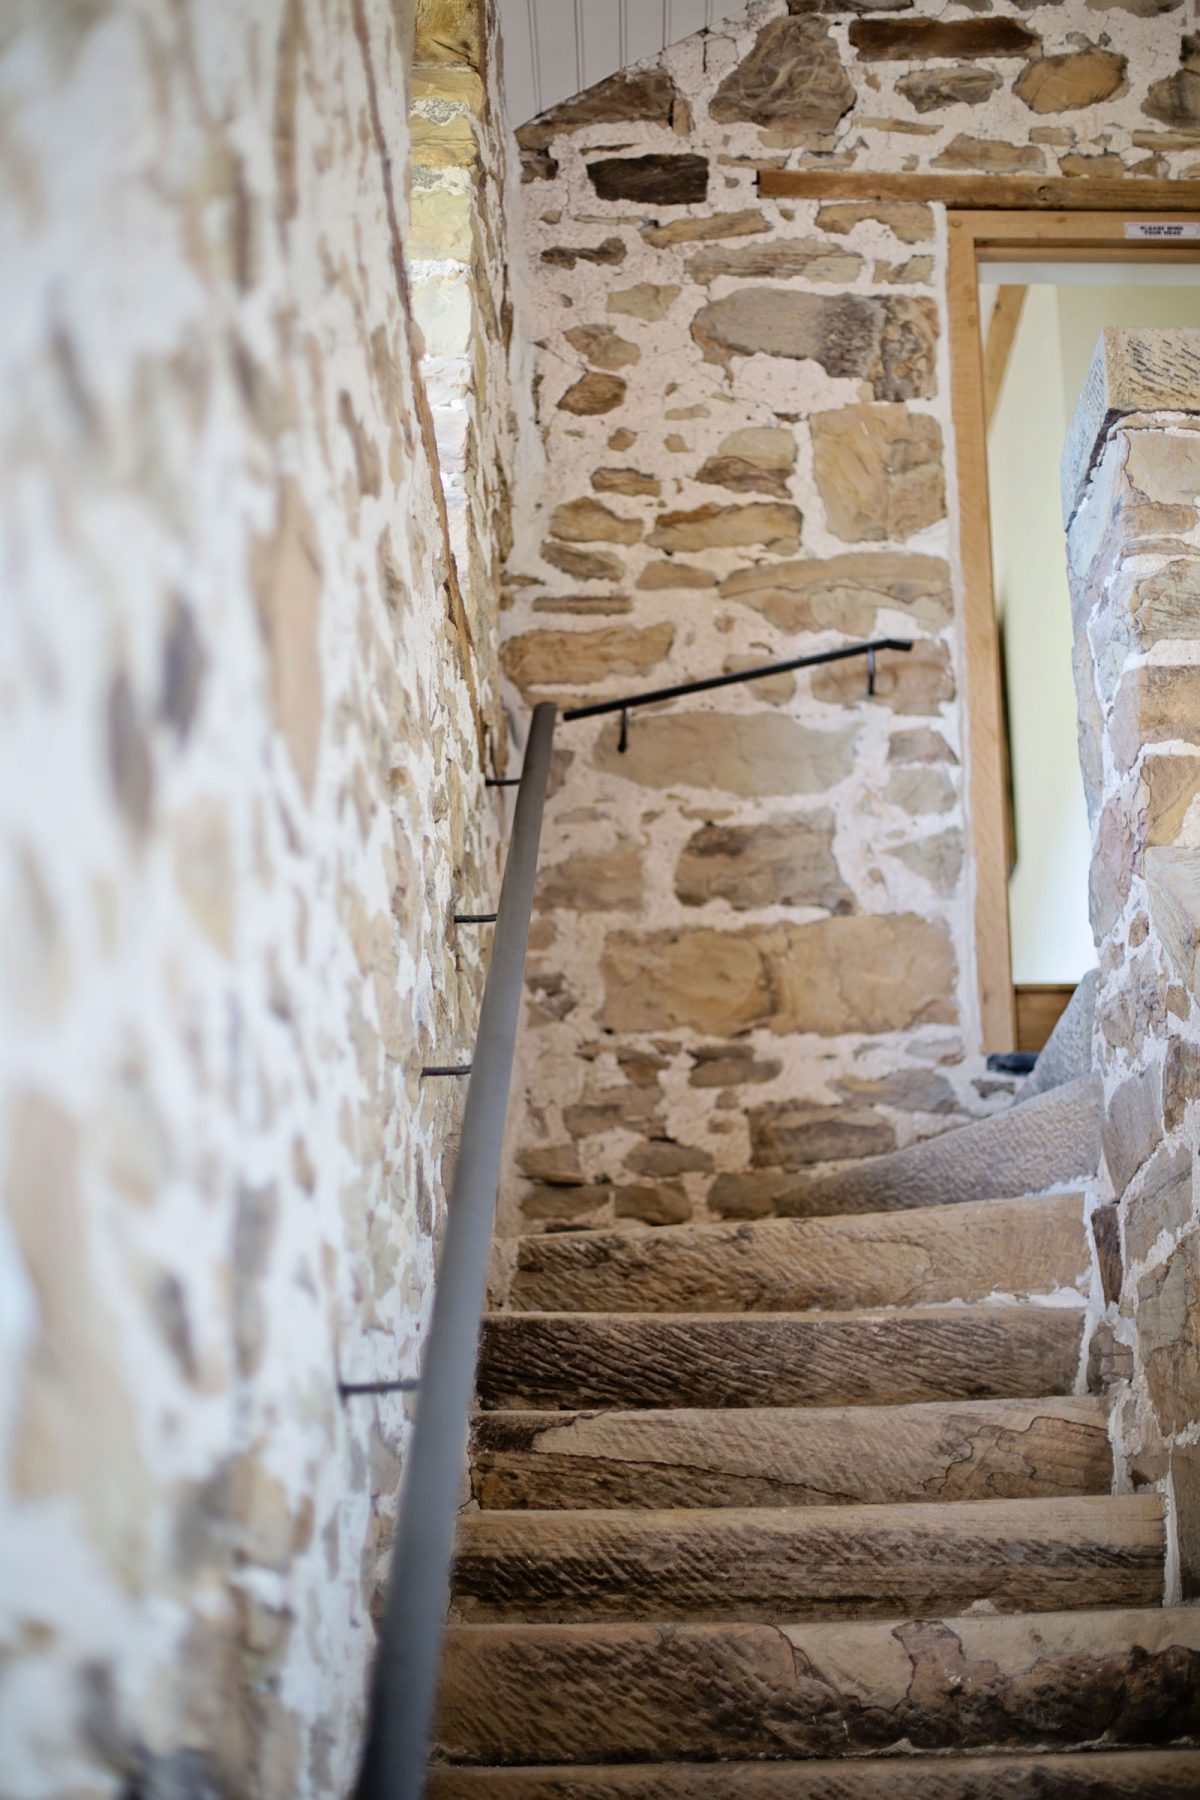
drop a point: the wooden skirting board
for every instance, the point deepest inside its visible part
(1039, 1008)
(985, 192)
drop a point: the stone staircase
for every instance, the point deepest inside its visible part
(811, 1506)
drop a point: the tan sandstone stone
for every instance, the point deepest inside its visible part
(759, 459)
(845, 593)
(574, 658)
(792, 81)
(879, 471)
(889, 342)
(698, 231)
(775, 527)
(1064, 83)
(603, 346)
(786, 860)
(645, 300)
(593, 393)
(286, 578)
(764, 754)
(813, 259)
(861, 973)
(917, 682)
(659, 575)
(909, 220)
(587, 521)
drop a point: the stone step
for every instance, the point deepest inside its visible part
(915, 1258)
(572, 1360)
(1051, 1140)
(1100, 1775)
(802, 1562)
(790, 1456)
(641, 1693)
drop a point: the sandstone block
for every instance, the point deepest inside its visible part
(647, 300)
(925, 1256)
(1065, 83)
(922, 40)
(909, 220)
(1160, 1201)
(1185, 1488)
(1175, 100)
(895, 1357)
(584, 565)
(1167, 1319)
(593, 393)
(859, 1561)
(879, 973)
(626, 481)
(1171, 783)
(758, 460)
(1132, 1130)
(697, 231)
(654, 180)
(644, 95)
(667, 574)
(879, 471)
(888, 342)
(962, 84)
(918, 681)
(792, 82)
(937, 860)
(845, 593)
(1154, 704)
(759, 754)
(1173, 884)
(565, 256)
(792, 1134)
(588, 521)
(913, 1090)
(774, 527)
(990, 156)
(814, 259)
(787, 860)
(603, 346)
(848, 1691)
(730, 1065)
(574, 658)
(920, 790)
(610, 881)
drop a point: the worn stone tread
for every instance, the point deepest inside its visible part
(800, 1562)
(789, 1456)
(1051, 1140)
(914, 1258)
(1111, 1775)
(639, 1692)
(573, 1360)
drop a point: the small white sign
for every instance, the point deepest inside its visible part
(1163, 228)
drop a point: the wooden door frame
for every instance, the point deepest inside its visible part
(974, 237)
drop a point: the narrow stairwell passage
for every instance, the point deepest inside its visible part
(813, 1507)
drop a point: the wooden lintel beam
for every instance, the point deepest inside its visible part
(1003, 193)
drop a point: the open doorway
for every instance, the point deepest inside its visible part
(1041, 291)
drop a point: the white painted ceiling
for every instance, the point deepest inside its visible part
(556, 48)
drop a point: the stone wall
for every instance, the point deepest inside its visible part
(247, 697)
(1132, 495)
(755, 940)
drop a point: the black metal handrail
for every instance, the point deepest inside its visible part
(404, 1685)
(759, 672)
(404, 1679)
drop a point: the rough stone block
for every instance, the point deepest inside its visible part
(653, 180)
(878, 471)
(787, 860)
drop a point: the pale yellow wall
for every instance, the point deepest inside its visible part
(1051, 937)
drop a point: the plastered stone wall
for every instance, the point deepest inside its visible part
(246, 701)
(1135, 578)
(754, 951)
